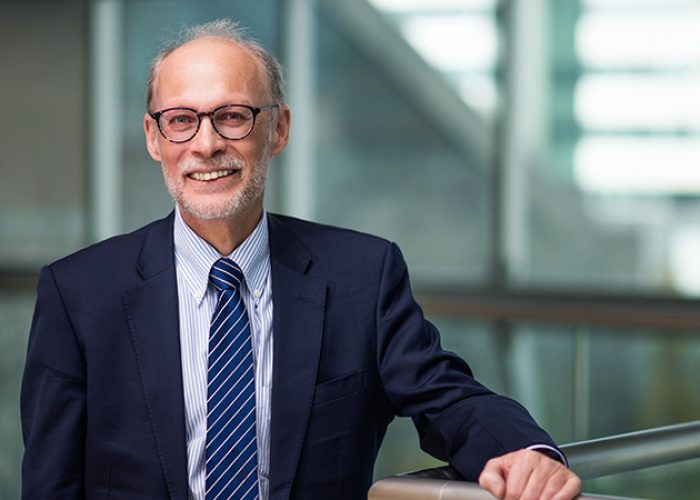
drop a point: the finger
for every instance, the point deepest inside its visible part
(555, 483)
(492, 478)
(553, 487)
(538, 482)
(571, 488)
(523, 464)
(561, 484)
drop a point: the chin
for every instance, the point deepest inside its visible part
(235, 205)
(212, 211)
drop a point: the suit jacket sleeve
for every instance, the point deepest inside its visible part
(53, 401)
(458, 420)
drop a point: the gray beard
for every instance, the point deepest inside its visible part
(251, 191)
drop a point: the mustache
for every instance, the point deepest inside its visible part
(224, 162)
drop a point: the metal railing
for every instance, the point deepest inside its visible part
(589, 459)
(558, 306)
(634, 450)
(412, 488)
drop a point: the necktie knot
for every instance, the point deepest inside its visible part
(225, 275)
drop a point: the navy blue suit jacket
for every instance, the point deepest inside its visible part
(102, 397)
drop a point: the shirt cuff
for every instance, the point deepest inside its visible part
(550, 451)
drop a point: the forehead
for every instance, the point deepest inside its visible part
(209, 71)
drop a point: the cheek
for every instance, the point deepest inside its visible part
(170, 169)
(255, 151)
(170, 157)
(169, 165)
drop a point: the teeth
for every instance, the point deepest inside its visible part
(208, 176)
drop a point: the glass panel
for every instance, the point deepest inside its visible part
(458, 38)
(16, 311)
(43, 170)
(614, 196)
(679, 481)
(534, 364)
(572, 379)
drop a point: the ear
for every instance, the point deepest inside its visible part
(280, 136)
(150, 128)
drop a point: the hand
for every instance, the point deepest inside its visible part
(529, 475)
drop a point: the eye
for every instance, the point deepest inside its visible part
(231, 116)
(180, 119)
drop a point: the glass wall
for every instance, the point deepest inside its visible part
(621, 147)
(383, 155)
(43, 191)
(579, 382)
(15, 311)
(43, 199)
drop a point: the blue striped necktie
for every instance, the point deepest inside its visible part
(231, 449)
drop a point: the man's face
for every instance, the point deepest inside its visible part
(208, 176)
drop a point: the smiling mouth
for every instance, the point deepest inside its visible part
(211, 176)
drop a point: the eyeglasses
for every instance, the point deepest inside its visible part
(232, 121)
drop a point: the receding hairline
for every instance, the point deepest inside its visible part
(157, 68)
(226, 30)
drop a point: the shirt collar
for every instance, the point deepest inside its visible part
(194, 257)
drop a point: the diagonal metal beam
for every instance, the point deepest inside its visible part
(419, 81)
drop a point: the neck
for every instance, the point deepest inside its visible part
(226, 234)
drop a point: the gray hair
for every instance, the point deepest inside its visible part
(228, 30)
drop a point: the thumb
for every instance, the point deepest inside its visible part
(492, 478)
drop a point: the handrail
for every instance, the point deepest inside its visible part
(614, 454)
(634, 450)
(556, 306)
(19, 277)
(588, 459)
(411, 488)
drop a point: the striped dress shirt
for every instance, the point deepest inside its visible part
(197, 301)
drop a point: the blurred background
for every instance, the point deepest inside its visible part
(538, 162)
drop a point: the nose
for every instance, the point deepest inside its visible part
(207, 142)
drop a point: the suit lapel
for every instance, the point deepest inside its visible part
(152, 312)
(299, 306)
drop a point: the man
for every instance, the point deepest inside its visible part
(224, 352)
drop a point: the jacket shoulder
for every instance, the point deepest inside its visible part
(316, 235)
(116, 255)
(337, 254)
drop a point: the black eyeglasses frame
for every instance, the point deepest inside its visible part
(254, 110)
